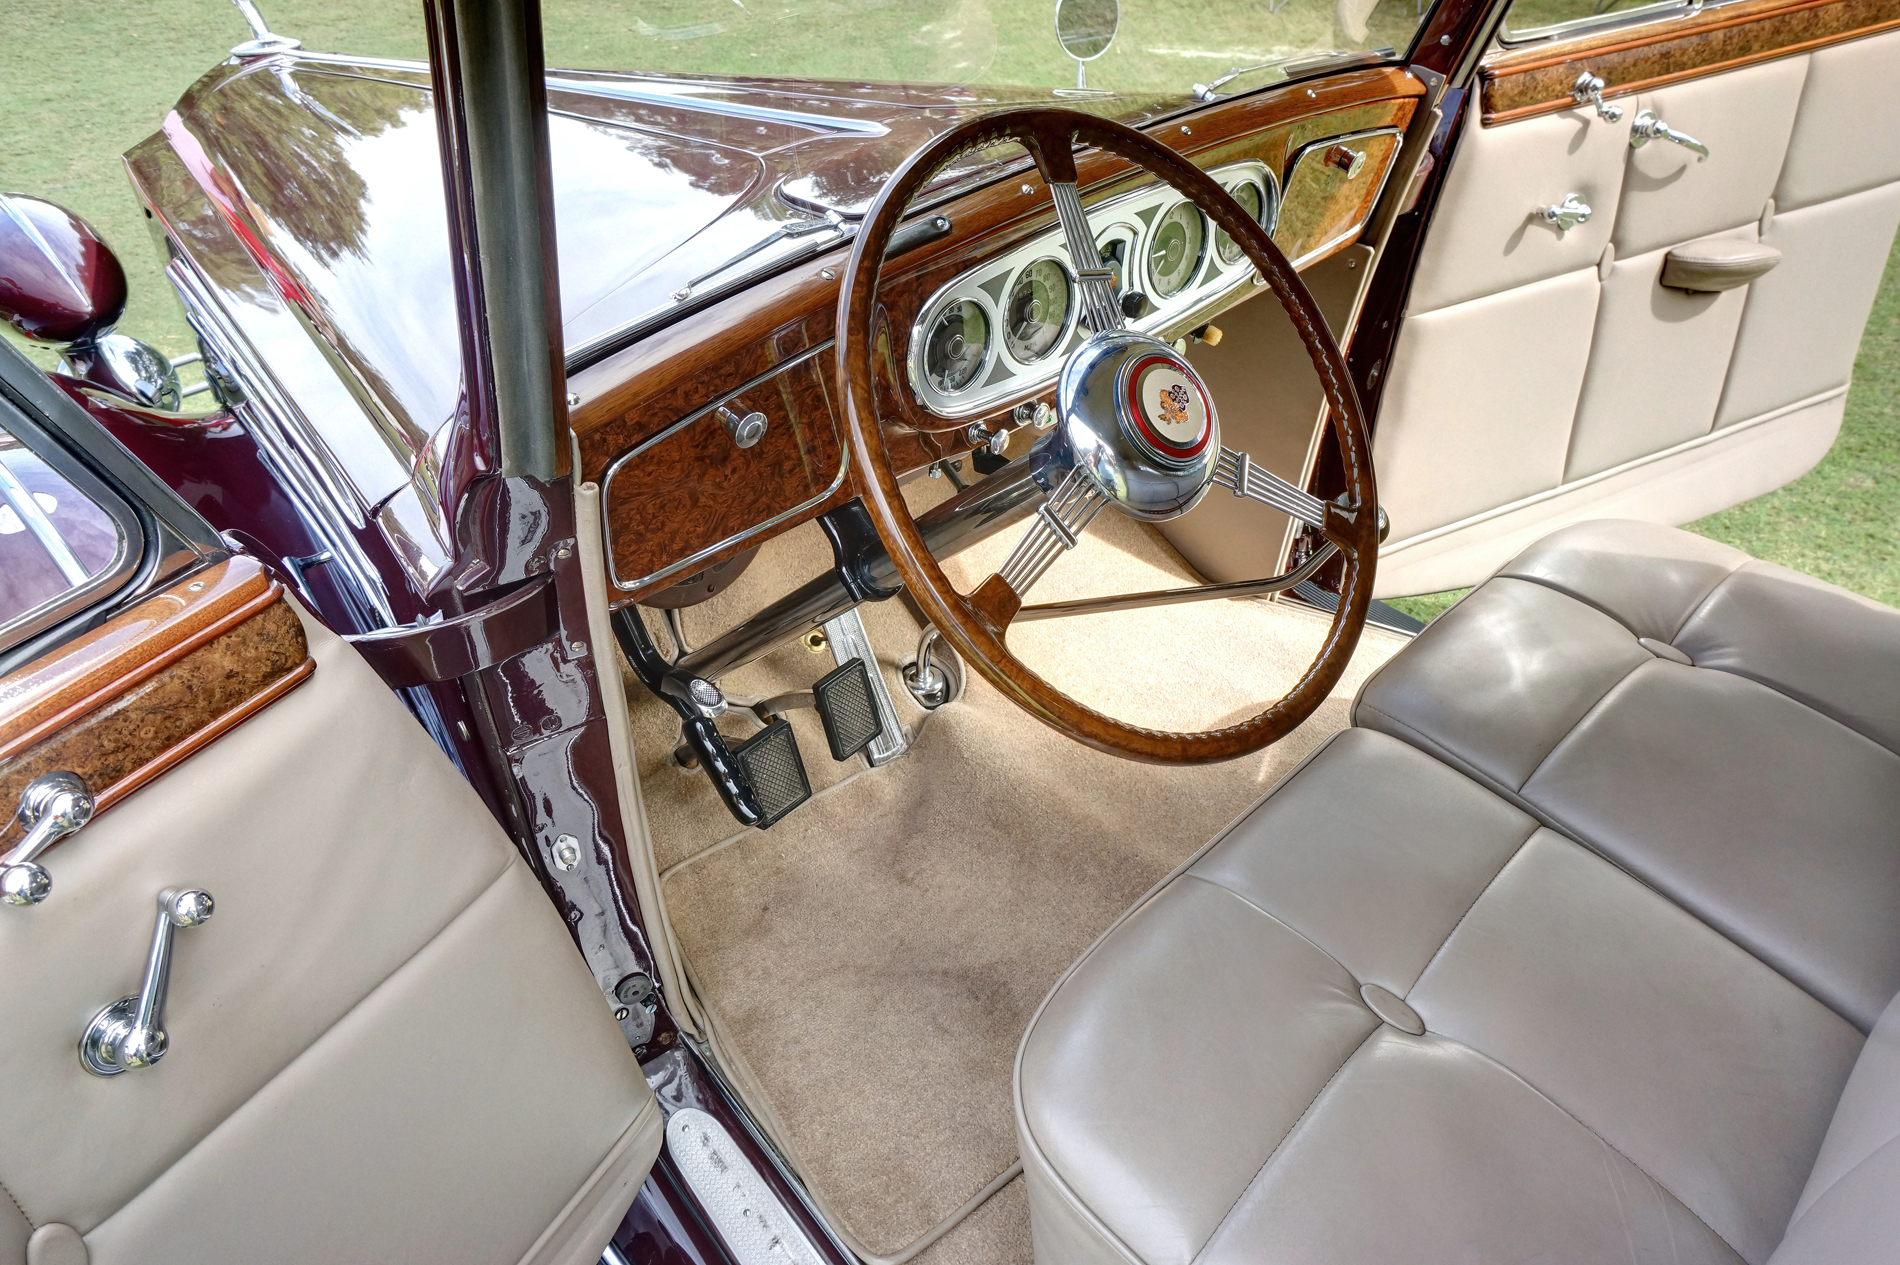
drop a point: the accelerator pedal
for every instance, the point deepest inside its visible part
(851, 644)
(776, 771)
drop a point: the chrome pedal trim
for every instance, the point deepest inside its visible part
(848, 640)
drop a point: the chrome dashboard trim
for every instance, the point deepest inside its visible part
(615, 466)
(1211, 282)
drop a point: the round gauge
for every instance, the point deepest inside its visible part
(1253, 203)
(1175, 249)
(1038, 310)
(956, 346)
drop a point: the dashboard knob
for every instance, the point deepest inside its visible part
(1134, 304)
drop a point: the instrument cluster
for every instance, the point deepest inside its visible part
(1004, 328)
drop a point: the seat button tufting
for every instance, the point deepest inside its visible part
(1663, 650)
(1390, 1007)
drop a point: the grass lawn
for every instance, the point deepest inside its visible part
(81, 81)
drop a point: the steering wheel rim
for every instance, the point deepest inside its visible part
(1050, 134)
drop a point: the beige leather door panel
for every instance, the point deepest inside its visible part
(383, 1044)
(1511, 410)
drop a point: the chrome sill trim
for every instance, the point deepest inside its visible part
(614, 468)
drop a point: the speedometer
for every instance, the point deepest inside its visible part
(1252, 202)
(956, 346)
(1174, 252)
(1038, 310)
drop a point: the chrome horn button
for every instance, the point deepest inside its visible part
(1134, 415)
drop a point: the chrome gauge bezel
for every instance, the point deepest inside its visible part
(1201, 255)
(1269, 216)
(1134, 215)
(919, 343)
(1068, 318)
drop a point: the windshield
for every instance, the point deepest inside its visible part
(1160, 50)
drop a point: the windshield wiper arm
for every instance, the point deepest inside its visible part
(789, 229)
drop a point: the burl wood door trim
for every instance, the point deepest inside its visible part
(1524, 82)
(142, 692)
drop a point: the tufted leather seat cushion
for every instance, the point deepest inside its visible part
(1393, 1014)
(1759, 788)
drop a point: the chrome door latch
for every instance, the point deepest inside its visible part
(1648, 127)
(52, 806)
(1588, 90)
(1566, 215)
(130, 1033)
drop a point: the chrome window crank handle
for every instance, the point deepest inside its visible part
(52, 806)
(1648, 127)
(130, 1033)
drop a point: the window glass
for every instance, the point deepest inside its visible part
(1539, 19)
(53, 538)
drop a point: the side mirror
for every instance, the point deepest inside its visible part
(61, 285)
(1085, 29)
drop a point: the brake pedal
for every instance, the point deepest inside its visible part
(776, 771)
(850, 643)
(848, 709)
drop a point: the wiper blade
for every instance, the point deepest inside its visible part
(791, 228)
(1294, 67)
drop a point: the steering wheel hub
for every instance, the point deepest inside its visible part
(1136, 417)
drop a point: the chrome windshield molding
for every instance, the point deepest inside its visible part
(1315, 152)
(1134, 217)
(711, 410)
(28, 510)
(1174, 597)
(321, 492)
(689, 95)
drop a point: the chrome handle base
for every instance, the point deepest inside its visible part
(1588, 90)
(52, 806)
(1648, 127)
(130, 1033)
(1566, 215)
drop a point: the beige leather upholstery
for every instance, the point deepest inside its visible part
(1624, 852)
(384, 1046)
(1717, 263)
(1695, 779)
(1546, 378)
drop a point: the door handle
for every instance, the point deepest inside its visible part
(130, 1033)
(52, 806)
(1566, 215)
(1588, 90)
(1648, 127)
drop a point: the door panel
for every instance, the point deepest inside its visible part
(1487, 436)
(384, 1044)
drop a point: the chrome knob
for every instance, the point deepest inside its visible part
(1566, 215)
(745, 431)
(130, 1033)
(52, 806)
(1588, 90)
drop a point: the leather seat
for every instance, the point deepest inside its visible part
(1456, 997)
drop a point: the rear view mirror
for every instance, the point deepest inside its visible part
(1085, 29)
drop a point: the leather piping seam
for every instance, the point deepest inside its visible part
(145, 670)
(16, 1203)
(315, 1040)
(1281, 1144)
(1489, 883)
(1849, 1171)
(1588, 712)
(1270, 915)
(192, 743)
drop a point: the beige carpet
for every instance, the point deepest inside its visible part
(874, 958)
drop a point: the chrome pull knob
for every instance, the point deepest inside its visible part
(1566, 215)
(1588, 90)
(130, 1033)
(745, 431)
(52, 806)
(1648, 127)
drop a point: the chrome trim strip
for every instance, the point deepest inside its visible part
(35, 520)
(1174, 597)
(730, 109)
(614, 468)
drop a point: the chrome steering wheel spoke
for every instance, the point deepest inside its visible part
(1237, 472)
(1100, 304)
(1054, 530)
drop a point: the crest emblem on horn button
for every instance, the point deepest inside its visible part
(1167, 408)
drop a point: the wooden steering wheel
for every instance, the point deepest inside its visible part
(1135, 428)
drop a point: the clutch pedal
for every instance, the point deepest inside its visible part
(849, 710)
(772, 765)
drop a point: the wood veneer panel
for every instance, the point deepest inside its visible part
(1521, 83)
(156, 683)
(693, 490)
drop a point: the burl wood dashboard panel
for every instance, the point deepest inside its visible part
(1536, 79)
(679, 495)
(137, 695)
